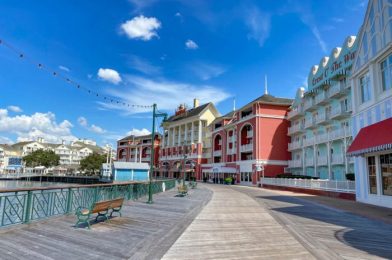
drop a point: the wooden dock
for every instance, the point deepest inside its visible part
(143, 232)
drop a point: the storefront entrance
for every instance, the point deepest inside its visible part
(246, 178)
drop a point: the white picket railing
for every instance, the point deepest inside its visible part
(329, 185)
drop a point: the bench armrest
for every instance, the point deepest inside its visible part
(82, 211)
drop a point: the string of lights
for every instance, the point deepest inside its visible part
(67, 79)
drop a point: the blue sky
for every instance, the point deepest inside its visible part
(145, 51)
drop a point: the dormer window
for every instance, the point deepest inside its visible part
(218, 125)
(246, 113)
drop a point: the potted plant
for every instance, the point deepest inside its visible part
(228, 180)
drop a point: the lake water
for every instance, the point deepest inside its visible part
(11, 184)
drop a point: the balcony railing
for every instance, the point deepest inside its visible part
(295, 112)
(330, 185)
(321, 118)
(309, 141)
(249, 134)
(231, 151)
(246, 147)
(309, 103)
(309, 123)
(340, 111)
(322, 160)
(295, 128)
(309, 162)
(335, 89)
(321, 138)
(339, 133)
(217, 153)
(320, 97)
(295, 145)
(337, 159)
(295, 163)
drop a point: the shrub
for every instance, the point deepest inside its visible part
(293, 176)
(228, 180)
(350, 176)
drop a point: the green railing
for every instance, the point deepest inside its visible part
(23, 205)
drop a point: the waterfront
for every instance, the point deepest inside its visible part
(12, 184)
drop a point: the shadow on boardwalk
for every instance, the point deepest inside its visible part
(143, 232)
(370, 236)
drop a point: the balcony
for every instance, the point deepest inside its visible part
(231, 151)
(337, 159)
(322, 138)
(336, 90)
(321, 98)
(340, 112)
(310, 104)
(295, 129)
(232, 138)
(321, 119)
(295, 112)
(206, 155)
(310, 123)
(217, 153)
(309, 162)
(322, 160)
(246, 148)
(339, 133)
(309, 141)
(295, 163)
(295, 145)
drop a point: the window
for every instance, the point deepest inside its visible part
(386, 73)
(365, 88)
(386, 173)
(372, 175)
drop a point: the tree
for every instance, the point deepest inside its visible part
(92, 163)
(42, 158)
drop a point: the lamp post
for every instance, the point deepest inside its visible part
(154, 115)
(183, 166)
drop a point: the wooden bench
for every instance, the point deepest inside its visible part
(101, 208)
(182, 190)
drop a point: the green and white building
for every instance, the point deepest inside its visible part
(320, 128)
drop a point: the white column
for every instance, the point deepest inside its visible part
(140, 154)
(136, 154)
(163, 139)
(192, 133)
(186, 133)
(329, 160)
(179, 135)
(199, 132)
(172, 141)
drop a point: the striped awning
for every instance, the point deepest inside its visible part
(373, 138)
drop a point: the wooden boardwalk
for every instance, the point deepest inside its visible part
(235, 226)
(326, 232)
(143, 232)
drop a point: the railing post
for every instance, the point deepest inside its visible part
(69, 201)
(28, 207)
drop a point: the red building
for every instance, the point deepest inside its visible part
(250, 141)
(186, 143)
(138, 149)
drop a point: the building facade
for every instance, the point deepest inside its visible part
(320, 118)
(186, 142)
(138, 149)
(249, 141)
(372, 106)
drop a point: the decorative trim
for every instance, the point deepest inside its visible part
(371, 150)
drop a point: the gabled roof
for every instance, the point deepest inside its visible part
(131, 137)
(190, 113)
(272, 100)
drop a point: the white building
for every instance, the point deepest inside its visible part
(372, 106)
(320, 118)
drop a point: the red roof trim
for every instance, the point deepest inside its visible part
(373, 138)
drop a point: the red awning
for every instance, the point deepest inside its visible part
(373, 138)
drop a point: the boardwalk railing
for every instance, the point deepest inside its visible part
(23, 205)
(328, 185)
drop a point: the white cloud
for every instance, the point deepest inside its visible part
(138, 132)
(206, 71)
(259, 24)
(337, 19)
(109, 75)
(178, 14)
(36, 125)
(5, 140)
(141, 27)
(64, 68)
(93, 128)
(15, 109)
(143, 65)
(141, 4)
(97, 129)
(189, 44)
(167, 94)
(82, 121)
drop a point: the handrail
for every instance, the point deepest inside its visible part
(78, 186)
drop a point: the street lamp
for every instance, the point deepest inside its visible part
(154, 115)
(183, 163)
